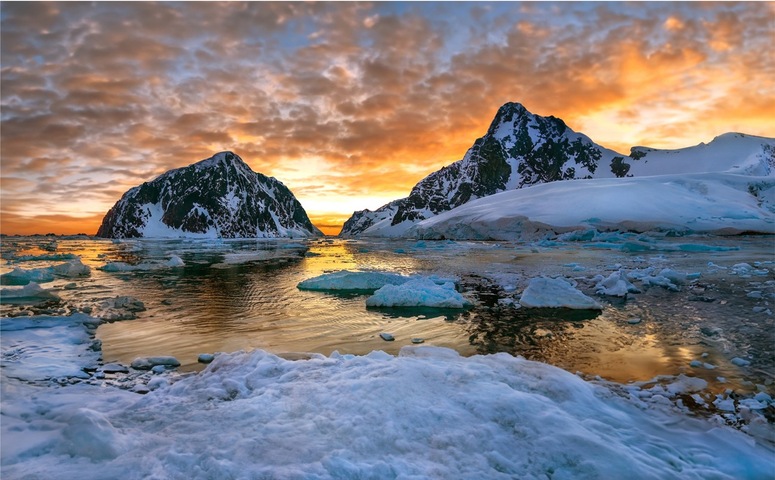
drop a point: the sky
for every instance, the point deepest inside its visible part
(349, 104)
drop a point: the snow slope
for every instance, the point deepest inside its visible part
(427, 413)
(716, 203)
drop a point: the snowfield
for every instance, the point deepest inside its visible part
(426, 413)
(716, 203)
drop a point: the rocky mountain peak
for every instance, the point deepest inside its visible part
(220, 196)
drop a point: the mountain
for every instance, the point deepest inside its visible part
(675, 204)
(521, 149)
(217, 197)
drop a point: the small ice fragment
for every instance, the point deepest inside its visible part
(146, 363)
(386, 337)
(418, 340)
(695, 364)
(634, 321)
(157, 382)
(175, 261)
(740, 362)
(205, 357)
(114, 368)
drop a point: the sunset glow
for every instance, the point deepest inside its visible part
(349, 104)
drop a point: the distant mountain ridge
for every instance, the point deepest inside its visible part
(217, 197)
(521, 149)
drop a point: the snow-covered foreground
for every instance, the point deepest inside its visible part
(716, 203)
(426, 413)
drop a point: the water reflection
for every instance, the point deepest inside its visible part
(211, 305)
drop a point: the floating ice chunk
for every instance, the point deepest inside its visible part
(740, 362)
(114, 368)
(543, 292)
(387, 337)
(20, 276)
(634, 321)
(724, 404)
(31, 291)
(684, 384)
(353, 281)
(157, 382)
(175, 261)
(418, 292)
(146, 363)
(120, 308)
(73, 268)
(615, 285)
(675, 277)
(660, 281)
(205, 357)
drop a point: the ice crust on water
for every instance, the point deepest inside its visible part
(543, 292)
(440, 415)
(418, 292)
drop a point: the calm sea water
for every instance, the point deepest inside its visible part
(235, 295)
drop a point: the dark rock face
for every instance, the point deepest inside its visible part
(219, 197)
(519, 149)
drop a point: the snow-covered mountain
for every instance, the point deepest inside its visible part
(714, 203)
(217, 197)
(521, 149)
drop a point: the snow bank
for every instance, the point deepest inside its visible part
(713, 202)
(427, 413)
(542, 292)
(418, 292)
(353, 281)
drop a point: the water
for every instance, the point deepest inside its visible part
(220, 301)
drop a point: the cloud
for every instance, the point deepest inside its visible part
(346, 100)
